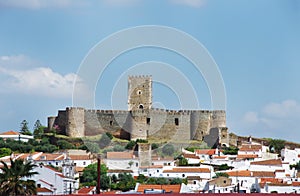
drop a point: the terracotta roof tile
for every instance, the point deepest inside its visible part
(80, 157)
(85, 190)
(246, 156)
(187, 170)
(206, 151)
(119, 171)
(263, 174)
(43, 190)
(50, 157)
(120, 155)
(10, 133)
(167, 188)
(267, 162)
(219, 157)
(250, 147)
(296, 183)
(190, 156)
(241, 173)
(151, 166)
(79, 169)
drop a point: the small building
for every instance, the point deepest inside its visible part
(13, 135)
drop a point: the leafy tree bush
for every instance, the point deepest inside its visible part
(63, 144)
(92, 147)
(183, 162)
(141, 141)
(276, 145)
(118, 148)
(126, 182)
(130, 145)
(168, 149)
(230, 150)
(89, 176)
(5, 152)
(104, 141)
(109, 135)
(154, 146)
(218, 174)
(224, 167)
(24, 128)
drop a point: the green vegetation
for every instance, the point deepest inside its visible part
(5, 152)
(218, 174)
(104, 141)
(168, 149)
(130, 145)
(230, 150)
(296, 166)
(24, 128)
(12, 178)
(276, 145)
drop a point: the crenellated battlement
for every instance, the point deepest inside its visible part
(141, 121)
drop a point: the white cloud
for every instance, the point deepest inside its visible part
(41, 81)
(39, 4)
(191, 3)
(275, 119)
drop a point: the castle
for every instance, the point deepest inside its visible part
(141, 121)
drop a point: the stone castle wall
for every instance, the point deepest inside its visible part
(154, 124)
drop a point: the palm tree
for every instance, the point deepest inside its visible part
(13, 178)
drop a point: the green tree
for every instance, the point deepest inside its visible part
(176, 181)
(276, 145)
(12, 178)
(126, 182)
(183, 162)
(24, 128)
(63, 144)
(38, 130)
(5, 152)
(168, 149)
(230, 150)
(130, 145)
(218, 174)
(118, 148)
(109, 135)
(154, 146)
(92, 147)
(104, 141)
(89, 176)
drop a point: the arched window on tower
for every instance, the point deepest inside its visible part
(141, 106)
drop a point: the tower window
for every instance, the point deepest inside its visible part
(111, 123)
(148, 121)
(139, 92)
(176, 121)
(141, 107)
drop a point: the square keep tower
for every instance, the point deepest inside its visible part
(139, 93)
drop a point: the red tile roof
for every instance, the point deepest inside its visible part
(151, 166)
(241, 173)
(167, 188)
(43, 190)
(219, 157)
(267, 162)
(85, 190)
(80, 157)
(187, 170)
(246, 156)
(50, 157)
(263, 174)
(250, 147)
(190, 156)
(206, 151)
(10, 133)
(119, 155)
(296, 183)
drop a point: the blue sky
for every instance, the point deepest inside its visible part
(255, 43)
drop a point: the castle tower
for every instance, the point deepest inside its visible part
(139, 93)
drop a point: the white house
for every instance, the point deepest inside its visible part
(291, 156)
(151, 171)
(13, 135)
(183, 172)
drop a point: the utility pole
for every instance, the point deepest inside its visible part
(98, 174)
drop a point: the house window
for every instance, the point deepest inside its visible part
(148, 121)
(56, 163)
(84, 162)
(149, 174)
(38, 185)
(183, 175)
(169, 164)
(167, 174)
(157, 171)
(176, 121)
(195, 182)
(136, 164)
